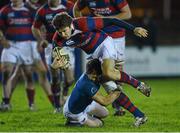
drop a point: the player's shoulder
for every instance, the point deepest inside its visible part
(117, 1)
(56, 37)
(6, 8)
(43, 7)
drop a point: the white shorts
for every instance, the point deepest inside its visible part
(81, 117)
(48, 55)
(106, 50)
(19, 53)
(120, 48)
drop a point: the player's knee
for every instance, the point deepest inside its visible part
(119, 64)
(93, 123)
(43, 76)
(104, 113)
(29, 76)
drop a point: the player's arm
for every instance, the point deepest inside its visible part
(80, 9)
(76, 10)
(94, 23)
(106, 100)
(39, 37)
(3, 41)
(138, 31)
(36, 28)
(124, 14)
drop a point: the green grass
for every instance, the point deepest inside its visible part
(162, 109)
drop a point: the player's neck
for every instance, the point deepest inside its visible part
(19, 5)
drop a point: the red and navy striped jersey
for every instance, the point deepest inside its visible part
(106, 8)
(45, 15)
(16, 23)
(86, 36)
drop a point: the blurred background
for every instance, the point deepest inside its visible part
(156, 56)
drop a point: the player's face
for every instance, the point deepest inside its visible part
(34, 1)
(54, 3)
(16, 2)
(94, 76)
(65, 32)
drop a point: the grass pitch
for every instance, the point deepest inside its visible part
(162, 109)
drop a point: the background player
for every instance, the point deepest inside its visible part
(15, 26)
(44, 17)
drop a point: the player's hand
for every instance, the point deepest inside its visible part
(39, 47)
(61, 57)
(116, 93)
(5, 43)
(61, 63)
(141, 32)
(44, 43)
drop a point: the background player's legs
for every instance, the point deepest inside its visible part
(43, 80)
(8, 70)
(27, 69)
(55, 87)
(68, 81)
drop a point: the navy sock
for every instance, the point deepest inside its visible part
(56, 95)
(30, 95)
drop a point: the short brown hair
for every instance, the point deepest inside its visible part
(61, 20)
(94, 64)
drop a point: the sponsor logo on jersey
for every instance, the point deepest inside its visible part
(69, 42)
(10, 15)
(93, 90)
(92, 4)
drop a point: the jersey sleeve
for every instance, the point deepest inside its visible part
(69, 5)
(56, 41)
(2, 18)
(97, 23)
(39, 18)
(88, 23)
(120, 3)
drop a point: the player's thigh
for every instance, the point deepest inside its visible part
(39, 66)
(80, 117)
(28, 72)
(9, 55)
(107, 65)
(8, 67)
(105, 50)
(119, 44)
(96, 109)
(69, 75)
